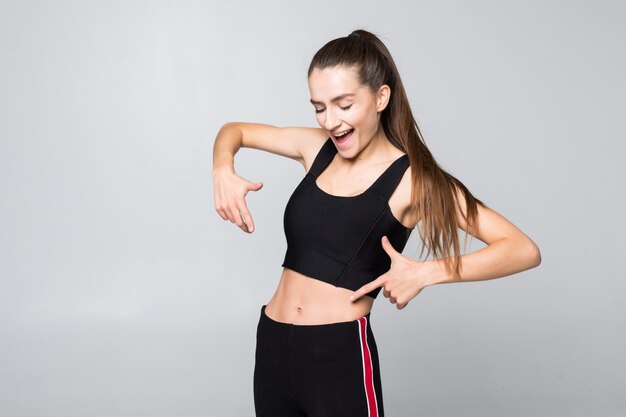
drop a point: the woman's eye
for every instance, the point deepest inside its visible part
(342, 108)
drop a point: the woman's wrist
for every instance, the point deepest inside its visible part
(435, 272)
(227, 143)
(222, 167)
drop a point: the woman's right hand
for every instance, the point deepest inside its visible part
(229, 192)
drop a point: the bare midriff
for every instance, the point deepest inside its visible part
(300, 299)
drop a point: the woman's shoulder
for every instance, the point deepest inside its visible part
(310, 141)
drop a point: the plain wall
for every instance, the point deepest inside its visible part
(123, 293)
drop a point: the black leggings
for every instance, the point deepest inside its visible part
(320, 370)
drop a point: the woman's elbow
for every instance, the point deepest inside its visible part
(533, 255)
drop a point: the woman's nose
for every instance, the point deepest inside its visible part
(331, 122)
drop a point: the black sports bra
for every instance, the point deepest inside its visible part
(337, 239)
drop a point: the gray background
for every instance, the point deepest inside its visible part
(123, 293)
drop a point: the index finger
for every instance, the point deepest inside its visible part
(378, 282)
(246, 217)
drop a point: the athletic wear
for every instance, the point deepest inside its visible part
(337, 239)
(321, 370)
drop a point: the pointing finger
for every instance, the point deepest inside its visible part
(367, 288)
(247, 218)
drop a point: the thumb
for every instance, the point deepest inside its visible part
(388, 247)
(255, 186)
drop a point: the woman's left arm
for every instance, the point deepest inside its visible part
(508, 252)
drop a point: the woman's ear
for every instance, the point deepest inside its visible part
(382, 97)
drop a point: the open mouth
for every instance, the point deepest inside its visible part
(345, 136)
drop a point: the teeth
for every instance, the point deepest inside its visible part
(343, 133)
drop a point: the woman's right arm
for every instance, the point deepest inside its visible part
(298, 143)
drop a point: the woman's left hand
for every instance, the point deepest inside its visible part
(402, 282)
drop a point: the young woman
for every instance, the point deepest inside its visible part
(370, 180)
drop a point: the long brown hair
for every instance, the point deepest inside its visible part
(433, 194)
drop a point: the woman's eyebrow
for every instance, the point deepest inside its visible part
(339, 97)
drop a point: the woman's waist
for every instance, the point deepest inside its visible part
(300, 299)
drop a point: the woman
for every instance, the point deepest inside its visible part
(370, 180)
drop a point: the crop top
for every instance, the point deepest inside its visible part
(337, 239)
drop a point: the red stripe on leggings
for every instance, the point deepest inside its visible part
(368, 370)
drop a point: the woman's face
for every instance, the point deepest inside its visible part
(342, 105)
